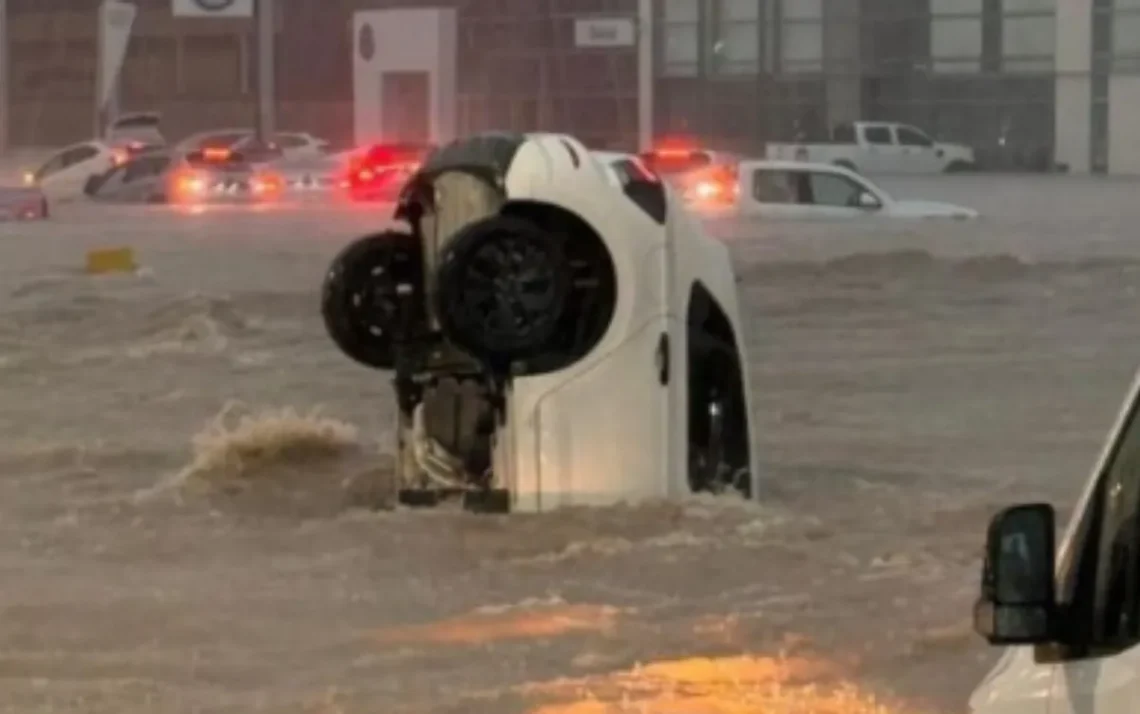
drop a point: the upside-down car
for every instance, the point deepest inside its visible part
(560, 330)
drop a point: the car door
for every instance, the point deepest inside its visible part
(143, 179)
(880, 152)
(107, 186)
(69, 177)
(827, 194)
(1100, 588)
(768, 192)
(919, 153)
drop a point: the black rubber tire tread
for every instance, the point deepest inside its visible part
(347, 279)
(456, 312)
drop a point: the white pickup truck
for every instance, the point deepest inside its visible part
(879, 147)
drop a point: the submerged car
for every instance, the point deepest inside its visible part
(209, 176)
(65, 173)
(309, 175)
(560, 329)
(704, 179)
(63, 176)
(798, 190)
(379, 172)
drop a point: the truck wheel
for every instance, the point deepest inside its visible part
(44, 208)
(373, 297)
(502, 287)
(718, 421)
(958, 167)
(845, 164)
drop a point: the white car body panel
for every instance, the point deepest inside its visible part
(887, 158)
(748, 204)
(66, 183)
(558, 447)
(1018, 684)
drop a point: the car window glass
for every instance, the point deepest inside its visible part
(773, 186)
(79, 154)
(1117, 603)
(50, 166)
(289, 141)
(844, 134)
(642, 187)
(221, 141)
(109, 178)
(877, 135)
(834, 190)
(145, 168)
(913, 137)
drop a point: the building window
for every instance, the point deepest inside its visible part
(680, 38)
(1029, 35)
(956, 35)
(1126, 38)
(801, 36)
(736, 38)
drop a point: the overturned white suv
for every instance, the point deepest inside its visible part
(561, 331)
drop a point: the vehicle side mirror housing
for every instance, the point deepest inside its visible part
(1018, 600)
(868, 201)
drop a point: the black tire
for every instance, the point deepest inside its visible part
(45, 210)
(502, 288)
(719, 438)
(365, 309)
(845, 164)
(959, 167)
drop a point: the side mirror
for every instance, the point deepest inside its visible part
(868, 202)
(1018, 604)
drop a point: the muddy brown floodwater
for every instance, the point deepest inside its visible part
(178, 530)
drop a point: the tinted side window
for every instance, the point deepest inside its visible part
(773, 186)
(289, 141)
(834, 190)
(78, 154)
(877, 135)
(96, 183)
(643, 188)
(145, 168)
(913, 137)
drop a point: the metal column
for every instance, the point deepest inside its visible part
(266, 115)
(5, 81)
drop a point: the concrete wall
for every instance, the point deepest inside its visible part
(1124, 124)
(1073, 63)
(405, 40)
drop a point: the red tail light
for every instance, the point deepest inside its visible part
(267, 184)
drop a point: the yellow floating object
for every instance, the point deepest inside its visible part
(111, 260)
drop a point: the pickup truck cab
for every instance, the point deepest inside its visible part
(1070, 616)
(879, 147)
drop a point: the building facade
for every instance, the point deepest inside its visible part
(1029, 83)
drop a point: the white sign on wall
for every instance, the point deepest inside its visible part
(605, 32)
(212, 8)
